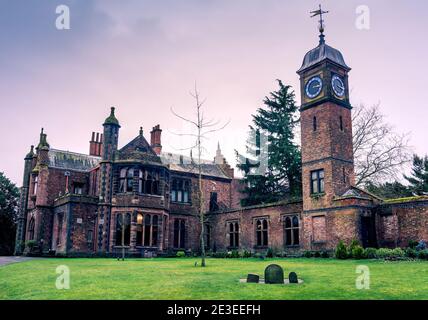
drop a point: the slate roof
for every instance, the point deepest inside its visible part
(71, 160)
(180, 163)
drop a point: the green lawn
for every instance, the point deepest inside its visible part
(180, 279)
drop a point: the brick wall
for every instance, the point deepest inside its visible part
(247, 227)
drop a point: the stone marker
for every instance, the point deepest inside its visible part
(274, 274)
(253, 278)
(292, 278)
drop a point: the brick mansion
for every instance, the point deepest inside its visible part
(144, 198)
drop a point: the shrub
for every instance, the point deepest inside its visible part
(180, 254)
(341, 251)
(220, 254)
(30, 244)
(422, 245)
(412, 244)
(317, 254)
(307, 254)
(423, 254)
(370, 253)
(246, 254)
(383, 253)
(358, 252)
(389, 254)
(411, 253)
(270, 253)
(325, 254)
(234, 254)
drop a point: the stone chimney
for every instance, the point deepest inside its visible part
(155, 139)
(95, 145)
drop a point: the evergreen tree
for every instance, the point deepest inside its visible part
(9, 194)
(389, 190)
(419, 179)
(276, 158)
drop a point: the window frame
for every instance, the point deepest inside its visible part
(180, 191)
(290, 230)
(262, 232)
(233, 230)
(320, 181)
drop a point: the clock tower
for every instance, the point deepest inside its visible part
(326, 135)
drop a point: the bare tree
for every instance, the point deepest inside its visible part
(379, 152)
(203, 128)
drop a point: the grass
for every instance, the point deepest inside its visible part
(163, 278)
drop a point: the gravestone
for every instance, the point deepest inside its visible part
(274, 274)
(292, 278)
(253, 278)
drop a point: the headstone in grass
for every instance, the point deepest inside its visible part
(253, 278)
(274, 274)
(292, 278)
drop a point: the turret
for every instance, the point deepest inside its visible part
(110, 136)
(23, 200)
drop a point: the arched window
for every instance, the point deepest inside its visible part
(123, 229)
(314, 123)
(31, 229)
(126, 180)
(291, 230)
(233, 234)
(179, 233)
(262, 232)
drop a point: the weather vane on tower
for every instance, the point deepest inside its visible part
(320, 12)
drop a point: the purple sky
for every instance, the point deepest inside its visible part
(144, 56)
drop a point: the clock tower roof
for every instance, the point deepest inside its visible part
(320, 53)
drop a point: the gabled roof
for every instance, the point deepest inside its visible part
(139, 149)
(71, 160)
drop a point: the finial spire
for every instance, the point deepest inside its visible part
(320, 12)
(141, 131)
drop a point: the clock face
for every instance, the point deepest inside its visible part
(338, 86)
(313, 87)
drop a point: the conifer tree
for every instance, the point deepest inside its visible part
(418, 181)
(277, 159)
